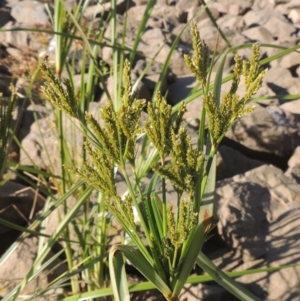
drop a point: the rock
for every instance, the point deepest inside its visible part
(294, 166)
(257, 17)
(163, 13)
(294, 15)
(228, 21)
(270, 130)
(159, 51)
(292, 106)
(232, 7)
(293, 4)
(205, 292)
(23, 39)
(238, 9)
(249, 203)
(101, 8)
(281, 81)
(9, 3)
(18, 264)
(280, 28)
(153, 36)
(181, 89)
(231, 162)
(264, 4)
(185, 5)
(182, 29)
(4, 16)
(280, 249)
(30, 13)
(198, 15)
(18, 204)
(281, 243)
(291, 61)
(298, 71)
(40, 141)
(209, 34)
(258, 33)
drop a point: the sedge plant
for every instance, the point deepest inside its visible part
(174, 231)
(161, 224)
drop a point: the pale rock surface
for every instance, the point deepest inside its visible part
(31, 13)
(294, 165)
(280, 28)
(291, 60)
(269, 130)
(281, 81)
(258, 33)
(228, 21)
(259, 217)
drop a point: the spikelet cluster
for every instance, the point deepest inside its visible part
(160, 125)
(99, 172)
(199, 63)
(59, 91)
(122, 127)
(115, 140)
(186, 163)
(232, 106)
(179, 231)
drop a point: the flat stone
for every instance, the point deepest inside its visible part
(294, 15)
(291, 60)
(292, 106)
(293, 170)
(229, 21)
(281, 81)
(23, 39)
(258, 33)
(199, 15)
(268, 130)
(30, 13)
(248, 203)
(19, 263)
(279, 28)
(257, 17)
(231, 162)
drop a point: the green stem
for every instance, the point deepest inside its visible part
(153, 261)
(164, 207)
(207, 169)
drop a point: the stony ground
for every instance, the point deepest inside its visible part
(258, 194)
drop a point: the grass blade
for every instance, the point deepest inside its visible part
(224, 280)
(47, 247)
(118, 275)
(141, 264)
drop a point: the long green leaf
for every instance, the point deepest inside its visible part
(118, 275)
(38, 221)
(143, 286)
(141, 264)
(224, 280)
(191, 249)
(47, 247)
